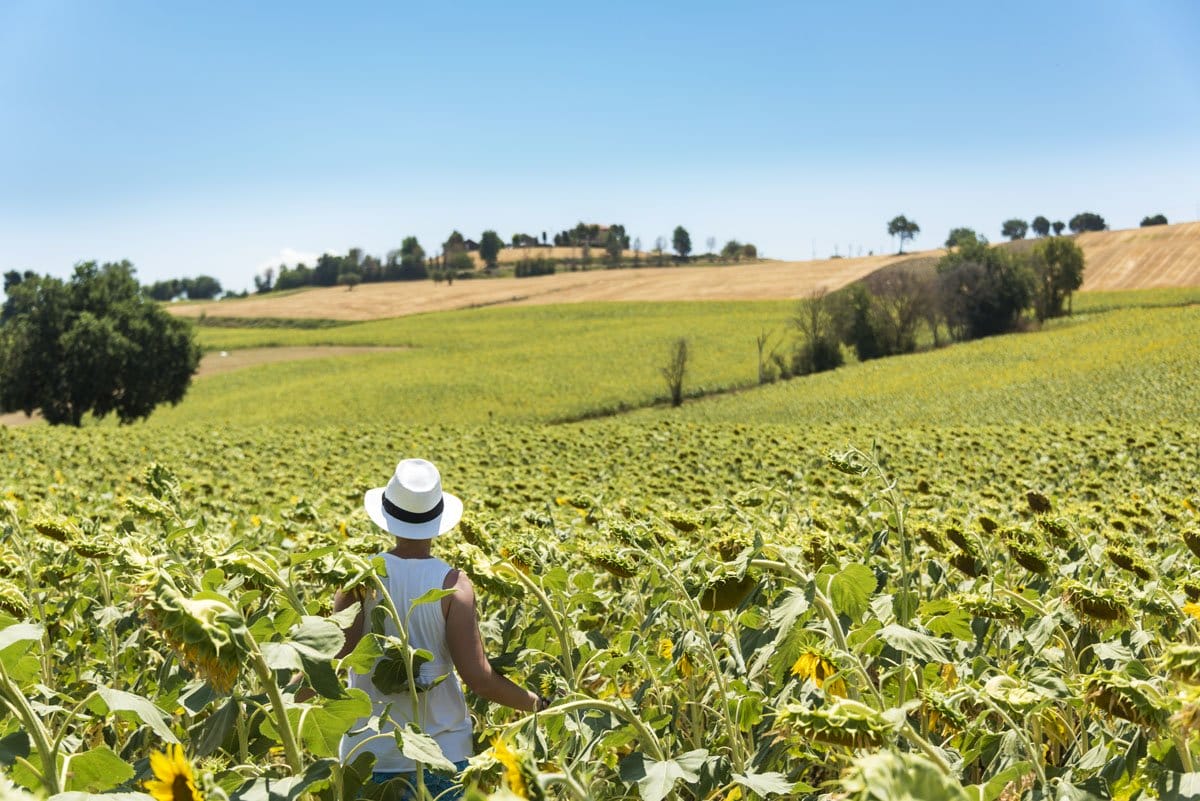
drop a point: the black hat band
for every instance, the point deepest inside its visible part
(405, 516)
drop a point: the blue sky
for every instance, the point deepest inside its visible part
(219, 138)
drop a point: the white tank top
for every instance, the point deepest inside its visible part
(442, 710)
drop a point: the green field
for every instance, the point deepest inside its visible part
(1005, 600)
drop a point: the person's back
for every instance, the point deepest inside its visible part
(413, 508)
(442, 709)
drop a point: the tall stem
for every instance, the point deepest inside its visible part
(267, 677)
(15, 700)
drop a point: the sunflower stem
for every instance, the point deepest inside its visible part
(15, 700)
(267, 677)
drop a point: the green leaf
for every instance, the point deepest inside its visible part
(765, 784)
(317, 637)
(19, 632)
(281, 656)
(995, 785)
(216, 727)
(435, 594)
(12, 746)
(148, 713)
(1181, 786)
(363, 657)
(915, 643)
(97, 770)
(345, 618)
(420, 747)
(850, 590)
(955, 622)
(324, 725)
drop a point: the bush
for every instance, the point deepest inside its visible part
(527, 268)
(817, 356)
(1157, 219)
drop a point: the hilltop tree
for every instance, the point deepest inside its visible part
(732, 250)
(660, 242)
(903, 228)
(1058, 227)
(412, 260)
(263, 283)
(489, 248)
(961, 236)
(616, 243)
(202, 287)
(1041, 226)
(1058, 264)
(1014, 229)
(455, 243)
(91, 344)
(682, 242)
(1087, 221)
(1157, 219)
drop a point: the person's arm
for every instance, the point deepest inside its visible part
(354, 633)
(466, 649)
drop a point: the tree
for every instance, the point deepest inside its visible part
(1058, 227)
(984, 290)
(1058, 264)
(164, 290)
(614, 245)
(1014, 229)
(202, 287)
(1157, 219)
(263, 283)
(675, 369)
(903, 228)
(961, 236)
(682, 242)
(818, 348)
(412, 260)
(1041, 226)
(749, 251)
(455, 243)
(1087, 221)
(91, 344)
(732, 250)
(489, 248)
(349, 280)
(660, 243)
(328, 268)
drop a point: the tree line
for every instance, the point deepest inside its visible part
(976, 290)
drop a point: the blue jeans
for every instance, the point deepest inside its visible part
(440, 786)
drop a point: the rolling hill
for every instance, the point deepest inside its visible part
(1139, 258)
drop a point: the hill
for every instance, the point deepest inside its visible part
(1140, 258)
(769, 280)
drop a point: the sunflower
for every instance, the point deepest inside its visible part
(822, 672)
(518, 775)
(173, 777)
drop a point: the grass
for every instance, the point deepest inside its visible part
(1125, 354)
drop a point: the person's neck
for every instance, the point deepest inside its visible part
(411, 549)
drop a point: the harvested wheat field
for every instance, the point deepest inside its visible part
(771, 280)
(1138, 258)
(1142, 258)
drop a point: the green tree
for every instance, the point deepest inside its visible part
(327, 270)
(1058, 264)
(459, 264)
(903, 228)
(91, 344)
(455, 243)
(349, 280)
(412, 259)
(1041, 226)
(682, 242)
(961, 236)
(1157, 219)
(749, 251)
(1087, 221)
(1058, 227)
(732, 250)
(490, 245)
(1014, 229)
(984, 290)
(164, 290)
(202, 287)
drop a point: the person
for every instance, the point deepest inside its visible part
(414, 509)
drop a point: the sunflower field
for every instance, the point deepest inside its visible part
(720, 611)
(959, 575)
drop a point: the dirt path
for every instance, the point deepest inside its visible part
(227, 361)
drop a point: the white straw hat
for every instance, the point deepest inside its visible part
(412, 505)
